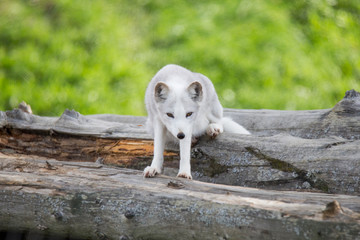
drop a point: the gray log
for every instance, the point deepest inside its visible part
(289, 150)
(44, 197)
(314, 151)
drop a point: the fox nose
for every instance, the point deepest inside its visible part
(180, 135)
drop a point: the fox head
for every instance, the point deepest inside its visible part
(178, 106)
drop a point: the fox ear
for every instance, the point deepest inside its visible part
(195, 91)
(161, 92)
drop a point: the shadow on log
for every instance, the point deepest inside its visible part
(64, 171)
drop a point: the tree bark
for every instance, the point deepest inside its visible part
(91, 200)
(61, 174)
(288, 150)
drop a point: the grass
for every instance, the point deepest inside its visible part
(98, 56)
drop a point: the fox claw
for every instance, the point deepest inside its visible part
(194, 141)
(214, 129)
(150, 172)
(185, 175)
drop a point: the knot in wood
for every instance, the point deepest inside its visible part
(101, 236)
(124, 237)
(175, 185)
(332, 209)
(23, 106)
(352, 94)
(58, 215)
(129, 214)
(71, 113)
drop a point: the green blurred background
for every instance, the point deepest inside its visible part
(97, 56)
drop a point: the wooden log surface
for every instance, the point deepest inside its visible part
(90, 200)
(314, 150)
(60, 175)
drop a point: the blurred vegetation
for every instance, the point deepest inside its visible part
(97, 56)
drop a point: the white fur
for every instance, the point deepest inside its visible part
(233, 127)
(182, 105)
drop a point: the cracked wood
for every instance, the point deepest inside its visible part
(288, 150)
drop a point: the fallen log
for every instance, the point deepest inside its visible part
(91, 200)
(60, 174)
(289, 150)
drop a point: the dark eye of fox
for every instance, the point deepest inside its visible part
(170, 115)
(189, 114)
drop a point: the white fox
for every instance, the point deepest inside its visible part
(181, 106)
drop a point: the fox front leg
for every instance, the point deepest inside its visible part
(159, 145)
(185, 167)
(215, 116)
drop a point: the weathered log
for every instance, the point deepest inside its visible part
(53, 180)
(343, 120)
(289, 150)
(44, 198)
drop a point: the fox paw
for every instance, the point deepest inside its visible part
(214, 129)
(185, 175)
(151, 172)
(194, 141)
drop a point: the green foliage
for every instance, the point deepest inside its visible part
(97, 56)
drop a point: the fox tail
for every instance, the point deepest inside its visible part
(233, 127)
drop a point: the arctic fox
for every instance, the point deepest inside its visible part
(181, 106)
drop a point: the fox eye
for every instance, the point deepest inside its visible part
(170, 115)
(189, 114)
